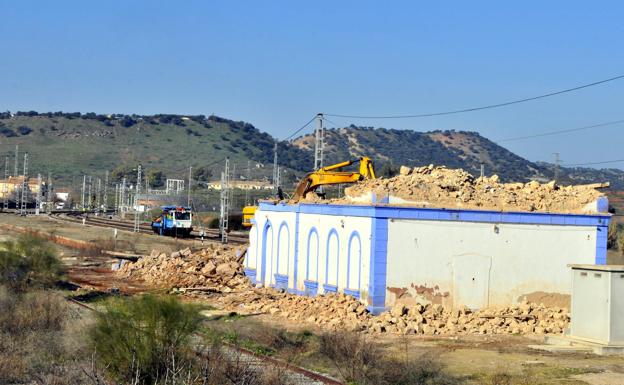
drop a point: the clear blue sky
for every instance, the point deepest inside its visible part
(275, 64)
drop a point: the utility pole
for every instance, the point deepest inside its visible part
(319, 143)
(49, 200)
(38, 201)
(105, 199)
(89, 196)
(136, 200)
(82, 195)
(225, 202)
(122, 197)
(274, 178)
(557, 162)
(188, 197)
(248, 185)
(98, 194)
(24, 186)
(16, 159)
(116, 198)
(482, 170)
(5, 189)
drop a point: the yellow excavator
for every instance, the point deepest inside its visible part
(322, 177)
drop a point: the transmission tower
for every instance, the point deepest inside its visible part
(136, 200)
(319, 144)
(122, 197)
(105, 198)
(116, 198)
(38, 200)
(225, 202)
(557, 162)
(49, 200)
(188, 197)
(98, 193)
(82, 195)
(248, 181)
(16, 159)
(89, 196)
(274, 179)
(24, 186)
(5, 188)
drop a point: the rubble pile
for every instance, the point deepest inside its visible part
(215, 268)
(339, 311)
(431, 186)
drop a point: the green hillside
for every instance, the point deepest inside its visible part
(69, 145)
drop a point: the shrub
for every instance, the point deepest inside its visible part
(359, 360)
(143, 337)
(30, 261)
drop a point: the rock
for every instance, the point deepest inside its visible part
(404, 170)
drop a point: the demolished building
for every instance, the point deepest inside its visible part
(431, 235)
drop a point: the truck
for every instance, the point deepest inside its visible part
(174, 221)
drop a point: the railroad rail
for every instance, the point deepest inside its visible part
(211, 235)
(260, 362)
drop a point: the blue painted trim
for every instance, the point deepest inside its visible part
(378, 265)
(281, 281)
(329, 237)
(601, 245)
(251, 274)
(257, 246)
(352, 292)
(311, 288)
(438, 214)
(296, 256)
(263, 269)
(327, 288)
(312, 231)
(279, 235)
(354, 235)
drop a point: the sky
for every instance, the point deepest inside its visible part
(276, 64)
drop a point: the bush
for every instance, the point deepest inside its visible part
(359, 360)
(31, 261)
(143, 337)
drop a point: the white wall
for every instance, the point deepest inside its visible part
(481, 264)
(332, 250)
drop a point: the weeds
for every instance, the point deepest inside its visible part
(142, 339)
(28, 262)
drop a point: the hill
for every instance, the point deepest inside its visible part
(69, 145)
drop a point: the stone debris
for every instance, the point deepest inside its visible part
(340, 311)
(437, 186)
(218, 269)
(215, 268)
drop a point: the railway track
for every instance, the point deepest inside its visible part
(255, 361)
(211, 235)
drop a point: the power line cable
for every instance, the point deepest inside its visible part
(301, 129)
(560, 131)
(482, 107)
(593, 163)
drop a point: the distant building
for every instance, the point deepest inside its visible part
(242, 184)
(14, 183)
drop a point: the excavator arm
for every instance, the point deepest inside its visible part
(327, 176)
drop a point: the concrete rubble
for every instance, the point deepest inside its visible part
(439, 187)
(218, 269)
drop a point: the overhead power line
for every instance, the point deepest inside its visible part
(548, 133)
(479, 108)
(301, 129)
(593, 163)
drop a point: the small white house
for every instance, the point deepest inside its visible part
(386, 254)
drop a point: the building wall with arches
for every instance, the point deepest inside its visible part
(384, 255)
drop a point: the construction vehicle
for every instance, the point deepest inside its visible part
(323, 177)
(174, 221)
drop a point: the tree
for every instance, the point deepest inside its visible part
(202, 174)
(156, 178)
(127, 171)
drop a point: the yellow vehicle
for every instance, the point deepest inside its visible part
(322, 177)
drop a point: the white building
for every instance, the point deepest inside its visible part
(385, 254)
